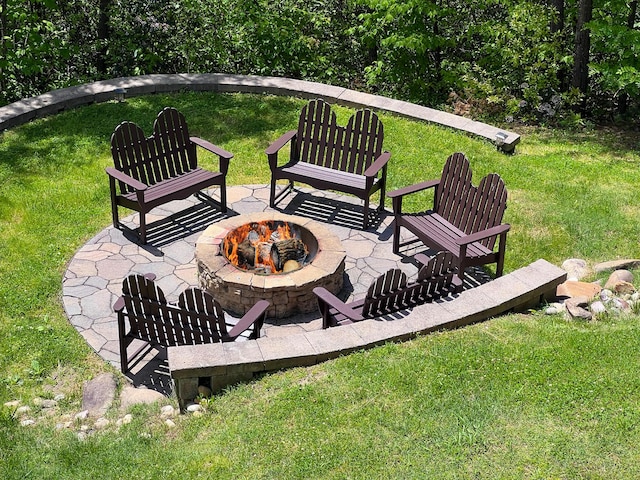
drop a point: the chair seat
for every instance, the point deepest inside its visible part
(438, 233)
(176, 188)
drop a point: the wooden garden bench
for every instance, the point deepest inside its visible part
(331, 157)
(465, 221)
(391, 292)
(196, 318)
(161, 168)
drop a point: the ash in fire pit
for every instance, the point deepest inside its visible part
(269, 247)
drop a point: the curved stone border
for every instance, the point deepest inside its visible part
(55, 101)
(226, 363)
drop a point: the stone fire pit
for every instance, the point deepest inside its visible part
(290, 293)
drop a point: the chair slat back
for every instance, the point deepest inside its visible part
(133, 154)
(197, 318)
(434, 278)
(209, 312)
(176, 153)
(163, 155)
(321, 141)
(385, 294)
(143, 300)
(470, 208)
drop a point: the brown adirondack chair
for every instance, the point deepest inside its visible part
(391, 292)
(149, 172)
(465, 221)
(328, 156)
(196, 318)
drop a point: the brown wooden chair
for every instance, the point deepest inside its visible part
(465, 221)
(196, 318)
(328, 156)
(149, 172)
(391, 292)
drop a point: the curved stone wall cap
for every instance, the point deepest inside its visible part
(52, 102)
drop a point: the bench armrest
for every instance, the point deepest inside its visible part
(481, 235)
(280, 142)
(397, 195)
(378, 165)
(124, 178)
(418, 187)
(255, 316)
(273, 149)
(223, 155)
(325, 296)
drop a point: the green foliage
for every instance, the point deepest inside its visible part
(508, 61)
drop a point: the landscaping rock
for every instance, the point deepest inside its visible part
(576, 269)
(598, 308)
(616, 264)
(578, 289)
(618, 276)
(98, 394)
(133, 396)
(576, 309)
(168, 411)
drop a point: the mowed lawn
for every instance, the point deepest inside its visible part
(520, 396)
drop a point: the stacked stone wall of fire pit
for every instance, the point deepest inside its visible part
(290, 293)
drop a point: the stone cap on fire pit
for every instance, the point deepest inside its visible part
(289, 293)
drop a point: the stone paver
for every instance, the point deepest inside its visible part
(93, 280)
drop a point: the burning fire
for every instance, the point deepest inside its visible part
(251, 246)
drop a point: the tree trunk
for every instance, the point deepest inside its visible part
(623, 100)
(3, 46)
(103, 36)
(557, 28)
(580, 76)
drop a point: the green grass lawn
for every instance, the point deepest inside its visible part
(520, 396)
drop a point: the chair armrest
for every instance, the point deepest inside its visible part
(223, 155)
(378, 165)
(330, 299)
(418, 187)
(397, 195)
(273, 149)
(280, 142)
(221, 152)
(124, 178)
(255, 315)
(481, 235)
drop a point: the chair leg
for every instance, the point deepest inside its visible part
(396, 237)
(365, 220)
(272, 194)
(143, 229)
(223, 197)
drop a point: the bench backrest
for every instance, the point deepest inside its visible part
(165, 154)
(391, 291)
(321, 141)
(470, 208)
(196, 318)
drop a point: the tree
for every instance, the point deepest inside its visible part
(580, 74)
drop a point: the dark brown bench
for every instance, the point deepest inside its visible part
(196, 318)
(465, 221)
(331, 157)
(391, 292)
(149, 172)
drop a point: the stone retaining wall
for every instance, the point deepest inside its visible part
(55, 101)
(224, 364)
